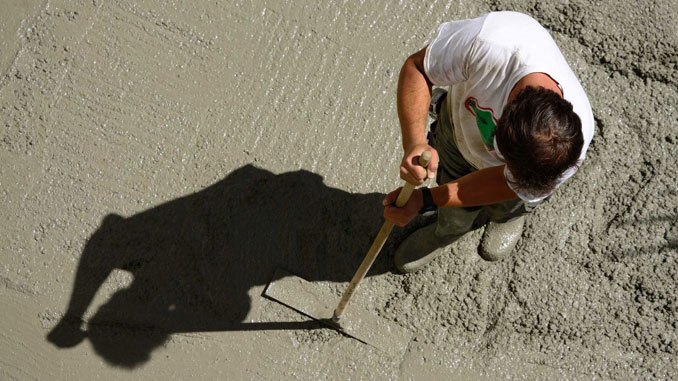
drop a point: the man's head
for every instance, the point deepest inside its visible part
(540, 137)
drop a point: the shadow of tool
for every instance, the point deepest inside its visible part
(193, 259)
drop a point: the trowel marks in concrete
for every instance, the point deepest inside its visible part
(313, 301)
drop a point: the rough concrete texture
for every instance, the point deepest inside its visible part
(173, 154)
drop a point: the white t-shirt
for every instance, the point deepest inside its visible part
(481, 60)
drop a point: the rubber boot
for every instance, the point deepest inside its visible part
(499, 239)
(420, 248)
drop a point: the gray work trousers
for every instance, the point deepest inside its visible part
(452, 166)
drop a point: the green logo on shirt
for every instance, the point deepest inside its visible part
(484, 119)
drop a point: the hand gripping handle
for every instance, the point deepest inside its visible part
(408, 188)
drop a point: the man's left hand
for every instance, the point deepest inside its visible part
(402, 216)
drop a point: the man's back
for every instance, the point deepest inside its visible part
(481, 60)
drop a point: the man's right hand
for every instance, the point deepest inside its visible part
(414, 98)
(411, 171)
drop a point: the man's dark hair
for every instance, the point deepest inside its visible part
(540, 137)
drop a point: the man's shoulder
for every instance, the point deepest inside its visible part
(511, 28)
(499, 27)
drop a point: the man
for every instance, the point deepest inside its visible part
(514, 125)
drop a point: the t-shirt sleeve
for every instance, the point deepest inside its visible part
(447, 56)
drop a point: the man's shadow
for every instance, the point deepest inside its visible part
(194, 259)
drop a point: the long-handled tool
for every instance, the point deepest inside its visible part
(378, 243)
(315, 302)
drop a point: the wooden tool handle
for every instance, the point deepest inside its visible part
(378, 243)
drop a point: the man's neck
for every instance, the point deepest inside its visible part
(535, 80)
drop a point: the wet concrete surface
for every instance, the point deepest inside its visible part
(159, 160)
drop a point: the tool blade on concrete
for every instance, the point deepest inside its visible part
(317, 303)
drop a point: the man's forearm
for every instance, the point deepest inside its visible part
(483, 187)
(414, 96)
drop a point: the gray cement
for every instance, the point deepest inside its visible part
(173, 154)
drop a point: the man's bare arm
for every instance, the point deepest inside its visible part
(483, 187)
(414, 97)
